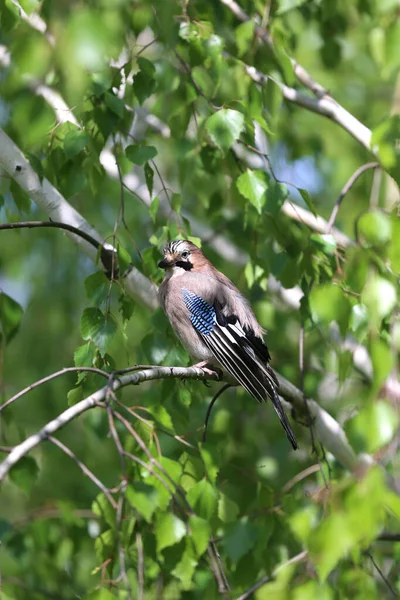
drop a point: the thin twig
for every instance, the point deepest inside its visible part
(140, 565)
(84, 469)
(326, 427)
(349, 184)
(32, 386)
(221, 566)
(295, 559)
(213, 401)
(388, 537)
(384, 578)
(300, 476)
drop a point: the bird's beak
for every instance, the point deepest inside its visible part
(165, 264)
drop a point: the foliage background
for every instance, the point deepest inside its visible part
(159, 97)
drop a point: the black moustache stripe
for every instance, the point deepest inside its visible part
(187, 265)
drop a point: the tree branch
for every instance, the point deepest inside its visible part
(58, 209)
(326, 106)
(349, 184)
(325, 426)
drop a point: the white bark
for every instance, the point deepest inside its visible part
(49, 199)
(326, 428)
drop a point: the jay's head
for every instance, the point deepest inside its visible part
(181, 254)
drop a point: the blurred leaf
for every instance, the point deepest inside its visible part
(140, 154)
(307, 199)
(203, 498)
(25, 473)
(21, 198)
(376, 423)
(328, 303)
(386, 136)
(95, 327)
(149, 177)
(115, 104)
(239, 538)
(144, 498)
(201, 532)
(382, 361)
(154, 208)
(374, 228)
(244, 35)
(288, 5)
(97, 287)
(379, 296)
(228, 510)
(100, 594)
(252, 185)
(143, 81)
(10, 317)
(75, 142)
(185, 569)
(224, 127)
(169, 530)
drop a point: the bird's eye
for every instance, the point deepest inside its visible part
(185, 254)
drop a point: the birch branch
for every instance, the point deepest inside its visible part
(49, 199)
(326, 106)
(325, 426)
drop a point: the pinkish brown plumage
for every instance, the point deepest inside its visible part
(216, 324)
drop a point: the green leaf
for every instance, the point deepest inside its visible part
(83, 357)
(149, 177)
(143, 82)
(379, 296)
(36, 164)
(185, 569)
(140, 154)
(10, 317)
(24, 473)
(203, 498)
(374, 228)
(224, 127)
(276, 196)
(376, 423)
(228, 510)
(124, 258)
(101, 594)
(154, 208)
(97, 287)
(115, 104)
(144, 498)
(386, 136)
(103, 509)
(244, 35)
(239, 539)
(169, 530)
(76, 394)
(29, 5)
(328, 303)
(201, 532)
(285, 6)
(95, 327)
(74, 142)
(176, 203)
(307, 199)
(253, 185)
(382, 359)
(21, 198)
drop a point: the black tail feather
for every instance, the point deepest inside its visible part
(283, 419)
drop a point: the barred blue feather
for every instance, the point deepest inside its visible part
(202, 315)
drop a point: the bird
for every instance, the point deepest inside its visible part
(216, 325)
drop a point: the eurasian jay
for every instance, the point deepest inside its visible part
(216, 325)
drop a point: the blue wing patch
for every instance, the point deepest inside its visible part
(202, 315)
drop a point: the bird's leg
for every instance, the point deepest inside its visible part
(208, 369)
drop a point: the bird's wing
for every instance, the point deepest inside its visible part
(238, 351)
